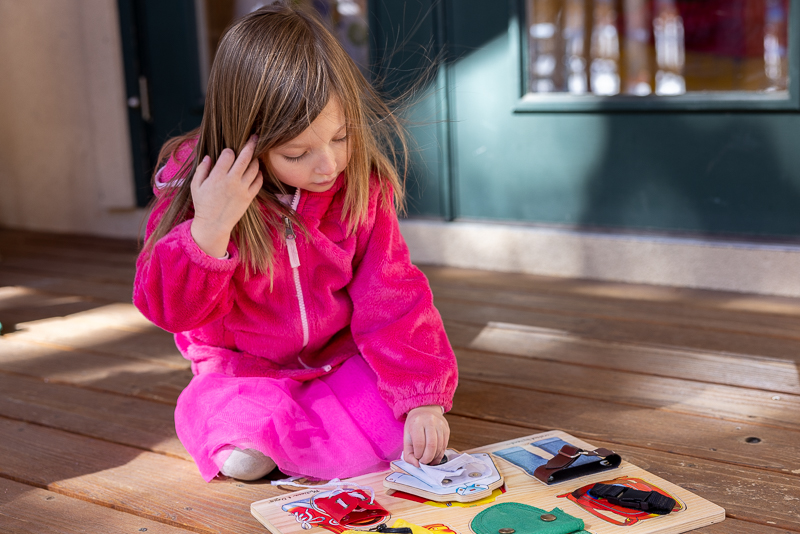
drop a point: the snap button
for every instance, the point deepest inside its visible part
(446, 481)
(474, 474)
(506, 531)
(548, 517)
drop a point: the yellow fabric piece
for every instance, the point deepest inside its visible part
(400, 523)
(450, 504)
(416, 529)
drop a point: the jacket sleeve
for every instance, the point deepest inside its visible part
(178, 286)
(395, 325)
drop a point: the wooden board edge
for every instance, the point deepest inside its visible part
(261, 519)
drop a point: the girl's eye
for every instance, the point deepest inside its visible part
(296, 158)
(342, 138)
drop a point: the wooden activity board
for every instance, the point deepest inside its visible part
(294, 513)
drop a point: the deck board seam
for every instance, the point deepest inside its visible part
(549, 311)
(626, 371)
(745, 313)
(104, 354)
(68, 276)
(546, 285)
(634, 344)
(91, 437)
(88, 388)
(752, 422)
(766, 524)
(111, 506)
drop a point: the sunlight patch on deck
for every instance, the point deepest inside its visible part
(558, 345)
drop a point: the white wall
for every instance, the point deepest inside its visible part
(65, 161)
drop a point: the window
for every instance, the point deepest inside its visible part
(657, 48)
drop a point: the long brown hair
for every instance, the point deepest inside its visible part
(274, 71)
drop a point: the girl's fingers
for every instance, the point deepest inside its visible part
(201, 172)
(224, 163)
(408, 454)
(245, 158)
(440, 448)
(256, 184)
(251, 172)
(427, 453)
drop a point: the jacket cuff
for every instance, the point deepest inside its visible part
(197, 256)
(403, 406)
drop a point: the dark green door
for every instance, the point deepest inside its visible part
(162, 78)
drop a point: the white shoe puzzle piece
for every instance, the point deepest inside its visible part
(463, 478)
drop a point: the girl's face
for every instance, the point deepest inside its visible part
(314, 159)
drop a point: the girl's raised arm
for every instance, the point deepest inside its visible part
(183, 282)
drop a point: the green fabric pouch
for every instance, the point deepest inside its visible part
(517, 518)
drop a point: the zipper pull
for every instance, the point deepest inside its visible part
(289, 232)
(291, 245)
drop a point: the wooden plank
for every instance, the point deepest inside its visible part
(125, 420)
(28, 510)
(598, 420)
(120, 315)
(736, 526)
(610, 330)
(87, 256)
(13, 298)
(149, 485)
(26, 241)
(679, 297)
(146, 380)
(19, 305)
(682, 396)
(552, 345)
(763, 502)
(767, 374)
(107, 291)
(114, 330)
(73, 269)
(774, 325)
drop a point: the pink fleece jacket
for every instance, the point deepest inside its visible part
(359, 293)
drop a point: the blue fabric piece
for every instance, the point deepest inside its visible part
(522, 458)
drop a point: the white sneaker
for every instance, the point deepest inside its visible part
(247, 464)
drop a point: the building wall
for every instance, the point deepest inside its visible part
(65, 162)
(65, 166)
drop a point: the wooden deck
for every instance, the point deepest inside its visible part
(698, 387)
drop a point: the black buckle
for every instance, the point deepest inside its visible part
(383, 529)
(651, 502)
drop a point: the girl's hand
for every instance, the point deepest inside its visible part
(221, 195)
(425, 436)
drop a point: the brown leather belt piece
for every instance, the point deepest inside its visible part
(561, 466)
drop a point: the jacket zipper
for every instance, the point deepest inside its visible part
(294, 261)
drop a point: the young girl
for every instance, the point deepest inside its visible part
(274, 255)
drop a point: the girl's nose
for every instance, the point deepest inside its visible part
(326, 164)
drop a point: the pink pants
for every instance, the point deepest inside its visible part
(333, 426)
